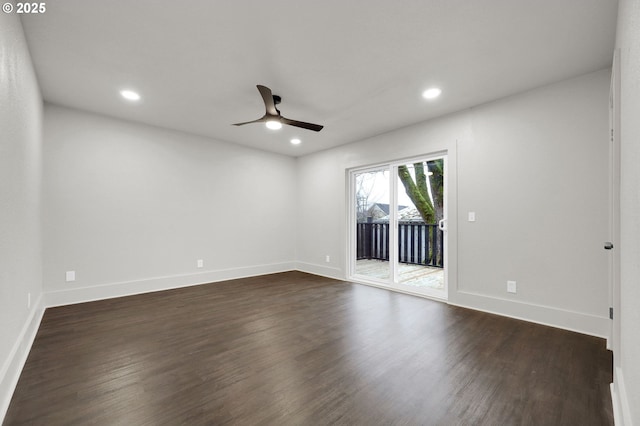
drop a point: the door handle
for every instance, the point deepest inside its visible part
(608, 245)
(442, 224)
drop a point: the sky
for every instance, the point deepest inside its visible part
(376, 185)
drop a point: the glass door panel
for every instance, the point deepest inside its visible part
(420, 223)
(372, 202)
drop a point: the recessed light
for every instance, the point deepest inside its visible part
(431, 93)
(273, 124)
(295, 141)
(130, 95)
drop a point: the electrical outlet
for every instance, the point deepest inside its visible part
(472, 216)
(71, 276)
(200, 263)
(327, 258)
(511, 287)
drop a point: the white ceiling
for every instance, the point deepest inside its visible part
(356, 67)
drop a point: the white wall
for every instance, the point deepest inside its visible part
(20, 211)
(627, 376)
(130, 208)
(532, 167)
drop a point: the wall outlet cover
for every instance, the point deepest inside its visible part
(512, 287)
(71, 276)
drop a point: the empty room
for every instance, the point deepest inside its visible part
(318, 213)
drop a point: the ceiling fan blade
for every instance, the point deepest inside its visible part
(259, 120)
(302, 124)
(267, 97)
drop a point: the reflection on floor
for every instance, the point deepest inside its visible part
(413, 275)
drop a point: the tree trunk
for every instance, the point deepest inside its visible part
(419, 199)
(436, 182)
(421, 179)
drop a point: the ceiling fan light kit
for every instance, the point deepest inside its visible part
(272, 117)
(274, 124)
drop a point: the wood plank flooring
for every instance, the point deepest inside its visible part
(298, 349)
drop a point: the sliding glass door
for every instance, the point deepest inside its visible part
(398, 232)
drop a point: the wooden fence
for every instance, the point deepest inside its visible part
(418, 242)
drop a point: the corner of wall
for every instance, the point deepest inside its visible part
(324, 271)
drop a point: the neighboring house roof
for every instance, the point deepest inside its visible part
(379, 212)
(409, 213)
(406, 214)
(384, 207)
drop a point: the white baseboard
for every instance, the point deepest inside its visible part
(13, 365)
(323, 271)
(615, 401)
(593, 325)
(621, 408)
(129, 288)
(546, 315)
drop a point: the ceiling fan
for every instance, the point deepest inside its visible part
(272, 118)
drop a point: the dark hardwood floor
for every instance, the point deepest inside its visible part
(298, 349)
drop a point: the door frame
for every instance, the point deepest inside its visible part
(392, 283)
(613, 342)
